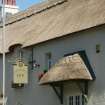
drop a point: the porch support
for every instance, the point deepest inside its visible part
(59, 90)
(84, 87)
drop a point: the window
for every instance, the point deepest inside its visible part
(48, 62)
(8, 14)
(76, 100)
(71, 100)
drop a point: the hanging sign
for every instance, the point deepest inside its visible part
(20, 73)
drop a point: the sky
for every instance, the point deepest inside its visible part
(23, 4)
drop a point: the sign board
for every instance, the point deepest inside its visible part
(20, 73)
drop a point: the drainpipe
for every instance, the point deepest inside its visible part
(3, 48)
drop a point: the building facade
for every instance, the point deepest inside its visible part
(10, 7)
(41, 44)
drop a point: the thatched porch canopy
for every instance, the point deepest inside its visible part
(68, 68)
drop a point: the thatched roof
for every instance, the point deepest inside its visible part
(68, 68)
(53, 19)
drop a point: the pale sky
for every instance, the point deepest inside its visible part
(23, 4)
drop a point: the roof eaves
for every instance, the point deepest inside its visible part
(64, 35)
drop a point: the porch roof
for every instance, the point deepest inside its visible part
(68, 68)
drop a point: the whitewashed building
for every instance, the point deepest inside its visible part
(10, 7)
(66, 38)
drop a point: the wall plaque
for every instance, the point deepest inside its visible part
(20, 73)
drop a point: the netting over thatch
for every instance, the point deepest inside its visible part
(53, 19)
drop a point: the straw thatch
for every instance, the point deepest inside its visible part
(53, 19)
(68, 68)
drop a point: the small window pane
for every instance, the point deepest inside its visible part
(48, 60)
(71, 100)
(76, 100)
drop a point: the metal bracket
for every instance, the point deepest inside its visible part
(59, 92)
(84, 88)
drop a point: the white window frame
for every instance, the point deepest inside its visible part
(74, 100)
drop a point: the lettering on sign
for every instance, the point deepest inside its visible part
(20, 73)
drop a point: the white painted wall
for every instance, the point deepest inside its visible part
(11, 9)
(34, 94)
(87, 41)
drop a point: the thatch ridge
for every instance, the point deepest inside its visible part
(33, 10)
